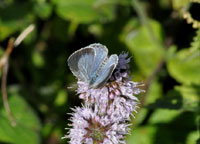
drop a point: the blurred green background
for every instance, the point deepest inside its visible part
(165, 53)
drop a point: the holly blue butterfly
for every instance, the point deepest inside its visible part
(92, 65)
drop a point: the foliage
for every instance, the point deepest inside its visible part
(165, 53)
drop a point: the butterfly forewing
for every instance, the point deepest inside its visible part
(80, 63)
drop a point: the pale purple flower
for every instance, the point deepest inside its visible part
(107, 110)
(109, 97)
(88, 126)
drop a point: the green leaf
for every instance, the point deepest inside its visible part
(185, 98)
(154, 92)
(14, 18)
(43, 9)
(28, 125)
(77, 10)
(86, 11)
(61, 98)
(173, 100)
(191, 93)
(163, 116)
(192, 138)
(140, 116)
(191, 96)
(183, 70)
(38, 59)
(184, 66)
(177, 4)
(195, 47)
(96, 29)
(165, 4)
(171, 52)
(142, 135)
(174, 129)
(147, 53)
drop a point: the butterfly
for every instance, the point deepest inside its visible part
(92, 65)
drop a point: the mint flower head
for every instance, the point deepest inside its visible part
(89, 127)
(106, 111)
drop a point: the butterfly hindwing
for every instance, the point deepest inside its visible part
(101, 53)
(104, 72)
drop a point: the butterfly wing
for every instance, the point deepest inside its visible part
(91, 65)
(104, 72)
(101, 53)
(81, 62)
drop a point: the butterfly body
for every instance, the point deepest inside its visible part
(92, 65)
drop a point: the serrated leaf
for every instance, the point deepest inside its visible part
(195, 47)
(28, 125)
